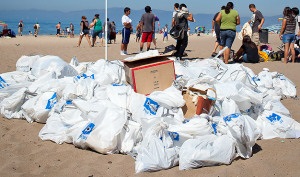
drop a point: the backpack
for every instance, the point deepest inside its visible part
(177, 31)
(20, 25)
(35, 26)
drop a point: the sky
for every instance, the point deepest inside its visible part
(267, 7)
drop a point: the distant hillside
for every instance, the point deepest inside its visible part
(114, 14)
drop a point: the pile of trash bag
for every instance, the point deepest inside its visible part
(90, 105)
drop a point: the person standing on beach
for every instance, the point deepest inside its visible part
(20, 28)
(97, 24)
(58, 29)
(113, 32)
(84, 31)
(297, 16)
(165, 33)
(36, 28)
(138, 32)
(257, 21)
(176, 9)
(216, 29)
(127, 27)
(147, 25)
(287, 33)
(181, 18)
(72, 30)
(229, 19)
(107, 33)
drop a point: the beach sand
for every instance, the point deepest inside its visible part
(23, 153)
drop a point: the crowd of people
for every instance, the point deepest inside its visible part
(224, 26)
(104, 31)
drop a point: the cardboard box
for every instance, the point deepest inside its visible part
(146, 75)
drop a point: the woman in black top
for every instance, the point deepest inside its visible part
(248, 51)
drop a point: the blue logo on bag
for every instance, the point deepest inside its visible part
(231, 116)
(274, 118)
(84, 76)
(69, 102)
(214, 126)
(174, 136)
(151, 106)
(88, 129)
(51, 102)
(3, 83)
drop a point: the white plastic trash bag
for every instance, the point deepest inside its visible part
(156, 151)
(25, 63)
(208, 150)
(275, 125)
(191, 129)
(129, 137)
(245, 131)
(10, 107)
(106, 122)
(38, 107)
(55, 64)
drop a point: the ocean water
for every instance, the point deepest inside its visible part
(46, 28)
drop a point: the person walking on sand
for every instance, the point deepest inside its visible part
(84, 31)
(147, 25)
(287, 33)
(181, 18)
(216, 29)
(20, 28)
(97, 24)
(229, 19)
(127, 27)
(58, 29)
(257, 21)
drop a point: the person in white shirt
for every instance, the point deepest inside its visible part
(126, 31)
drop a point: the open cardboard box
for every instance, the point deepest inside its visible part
(146, 75)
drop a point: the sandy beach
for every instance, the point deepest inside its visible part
(23, 153)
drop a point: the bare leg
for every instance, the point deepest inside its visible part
(125, 47)
(292, 48)
(149, 44)
(141, 46)
(154, 42)
(88, 39)
(79, 42)
(226, 55)
(216, 46)
(286, 52)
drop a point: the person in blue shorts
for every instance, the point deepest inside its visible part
(126, 31)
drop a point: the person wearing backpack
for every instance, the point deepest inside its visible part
(181, 18)
(20, 28)
(84, 31)
(97, 24)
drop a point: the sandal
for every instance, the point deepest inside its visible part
(214, 54)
